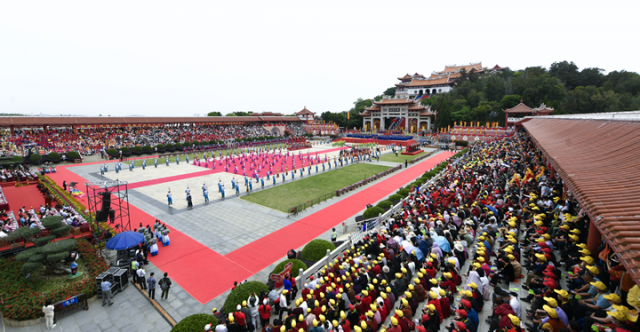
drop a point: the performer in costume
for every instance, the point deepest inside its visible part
(169, 199)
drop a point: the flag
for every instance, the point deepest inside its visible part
(348, 115)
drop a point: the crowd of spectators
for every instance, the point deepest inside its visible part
(495, 223)
(90, 141)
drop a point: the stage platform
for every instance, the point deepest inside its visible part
(412, 153)
(379, 141)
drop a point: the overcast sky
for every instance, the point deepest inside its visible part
(180, 58)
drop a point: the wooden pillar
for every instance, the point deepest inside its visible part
(594, 239)
(13, 130)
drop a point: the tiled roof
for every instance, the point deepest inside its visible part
(449, 69)
(396, 101)
(305, 111)
(600, 163)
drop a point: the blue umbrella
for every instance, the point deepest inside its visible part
(125, 240)
(492, 209)
(442, 243)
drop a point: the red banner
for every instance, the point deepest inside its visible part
(278, 279)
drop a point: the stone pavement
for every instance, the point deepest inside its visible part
(132, 310)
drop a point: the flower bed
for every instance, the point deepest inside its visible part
(20, 299)
(367, 180)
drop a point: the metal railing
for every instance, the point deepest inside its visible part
(301, 207)
(355, 238)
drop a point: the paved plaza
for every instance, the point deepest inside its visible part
(220, 225)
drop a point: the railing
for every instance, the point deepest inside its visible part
(301, 207)
(354, 238)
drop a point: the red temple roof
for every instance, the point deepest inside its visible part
(305, 111)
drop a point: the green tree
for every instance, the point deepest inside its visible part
(495, 88)
(214, 114)
(390, 91)
(44, 253)
(473, 76)
(566, 72)
(509, 101)
(591, 76)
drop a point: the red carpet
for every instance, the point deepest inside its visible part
(168, 179)
(275, 245)
(205, 274)
(28, 196)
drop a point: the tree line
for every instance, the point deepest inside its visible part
(563, 86)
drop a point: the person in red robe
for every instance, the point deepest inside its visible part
(445, 304)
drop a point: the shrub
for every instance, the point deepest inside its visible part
(169, 146)
(384, 204)
(137, 148)
(316, 250)
(17, 160)
(195, 322)
(213, 142)
(419, 181)
(112, 152)
(187, 144)
(295, 269)
(241, 293)
(403, 192)
(395, 197)
(195, 143)
(147, 148)
(179, 146)
(160, 146)
(21, 301)
(35, 158)
(125, 149)
(462, 143)
(72, 155)
(53, 156)
(372, 212)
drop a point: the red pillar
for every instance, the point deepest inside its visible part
(594, 239)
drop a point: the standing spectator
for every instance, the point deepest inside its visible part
(48, 314)
(106, 292)
(165, 284)
(141, 278)
(152, 286)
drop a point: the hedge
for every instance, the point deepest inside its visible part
(160, 146)
(372, 212)
(419, 181)
(316, 250)
(403, 192)
(384, 204)
(125, 149)
(462, 143)
(113, 152)
(187, 144)
(147, 148)
(169, 146)
(53, 156)
(35, 158)
(395, 197)
(241, 293)
(21, 302)
(137, 148)
(72, 155)
(295, 269)
(195, 322)
(179, 146)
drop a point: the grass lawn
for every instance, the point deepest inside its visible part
(391, 157)
(284, 197)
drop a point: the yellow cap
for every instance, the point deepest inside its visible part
(613, 297)
(394, 321)
(599, 285)
(550, 311)
(515, 321)
(551, 301)
(473, 285)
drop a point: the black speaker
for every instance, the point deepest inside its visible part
(103, 214)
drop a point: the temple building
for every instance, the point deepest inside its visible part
(401, 114)
(306, 116)
(521, 111)
(439, 82)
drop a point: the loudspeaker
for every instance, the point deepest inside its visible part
(103, 214)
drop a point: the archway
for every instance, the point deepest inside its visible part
(275, 131)
(420, 93)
